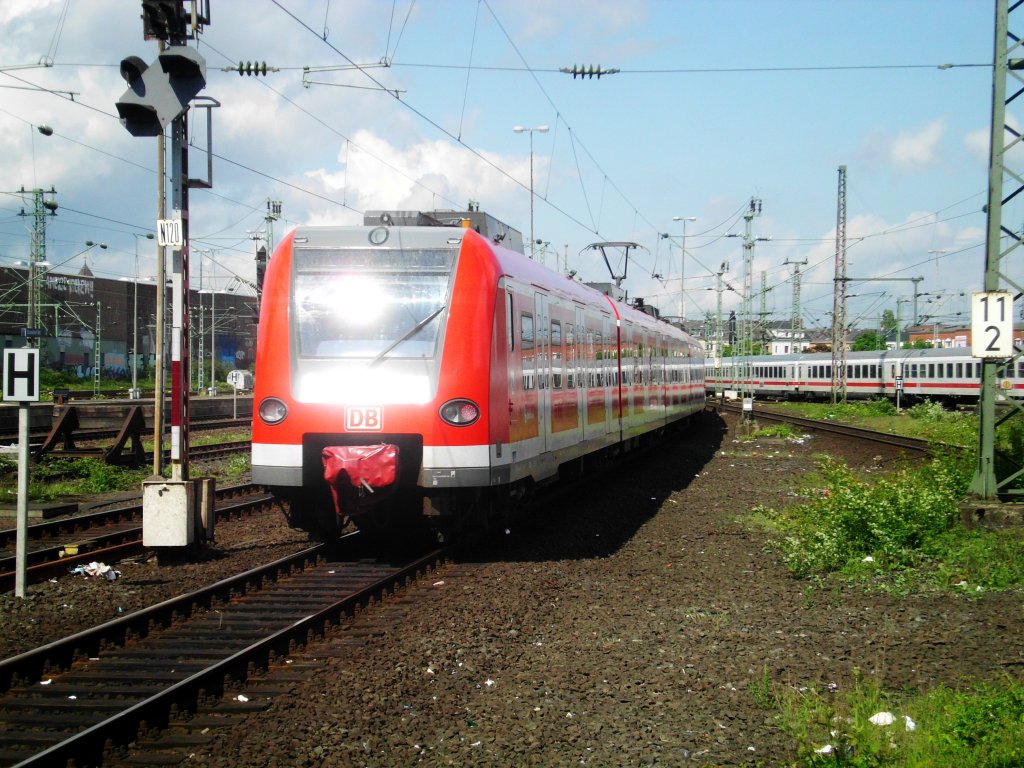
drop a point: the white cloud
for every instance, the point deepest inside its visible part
(919, 147)
(434, 174)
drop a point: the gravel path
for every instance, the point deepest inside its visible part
(630, 629)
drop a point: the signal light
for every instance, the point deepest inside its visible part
(163, 20)
(157, 95)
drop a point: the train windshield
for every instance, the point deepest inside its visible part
(363, 303)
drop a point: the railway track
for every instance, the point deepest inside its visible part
(36, 437)
(107, 535)
(162, 677)
(885, 438)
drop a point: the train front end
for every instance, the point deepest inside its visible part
(370, 378)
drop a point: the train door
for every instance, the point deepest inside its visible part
(610, 366)
(577, 352)
(542, 356)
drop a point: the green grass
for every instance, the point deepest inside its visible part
(978, 726)
(926, 421)
(901, 533)
(782, 430)
(51, 479)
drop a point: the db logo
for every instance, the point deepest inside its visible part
(364, 419)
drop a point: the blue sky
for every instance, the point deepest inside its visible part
(716, 102)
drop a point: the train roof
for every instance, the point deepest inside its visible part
(510, 262)
(378, 236)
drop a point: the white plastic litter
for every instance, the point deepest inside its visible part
(242, 697)
(868, 559)
(882, 718)
(911, 725)
(826, 750)
(95, 569)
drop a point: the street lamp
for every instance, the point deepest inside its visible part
(134, 394)
(682, 270)
(531, 131)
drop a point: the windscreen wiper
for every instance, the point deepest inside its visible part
(407, 335)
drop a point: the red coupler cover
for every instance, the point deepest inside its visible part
(361, 465)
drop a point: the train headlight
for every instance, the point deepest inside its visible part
(272, 411)
(459, 413)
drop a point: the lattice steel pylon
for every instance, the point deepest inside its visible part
(796, 323)
(839, 296)
(1004, 183)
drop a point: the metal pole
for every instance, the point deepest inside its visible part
(682, 270)
(21, 554)
(97, 368)
(180, 317)
(135, 327)
(533, 245)
(682, 280)
(213, 343)
(539, 129)
(161, 302)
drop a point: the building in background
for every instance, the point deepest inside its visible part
(87, 320)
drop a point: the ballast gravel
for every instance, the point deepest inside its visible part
(637, 625)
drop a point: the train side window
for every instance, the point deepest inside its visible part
(913, 371)
(949, 370)
(556, 354)
(931, 370)
(526, 330)
(959, 370)
(511, 333)
(526, 342)
(939, 371)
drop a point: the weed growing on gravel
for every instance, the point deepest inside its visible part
(889, 520)
(56, 478)
(900, 533)
(927, 420)
(776, 430)
(762, 691)
(238, 465)
(978, 727)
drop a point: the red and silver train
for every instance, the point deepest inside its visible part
(949, 375)
(425, 374)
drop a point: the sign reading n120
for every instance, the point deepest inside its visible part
(168, 233)
(992, 324)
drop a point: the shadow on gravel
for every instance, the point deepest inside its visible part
(598, 515)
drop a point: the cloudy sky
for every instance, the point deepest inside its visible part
(395, 104)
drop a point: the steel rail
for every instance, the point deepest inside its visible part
(89, 745)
